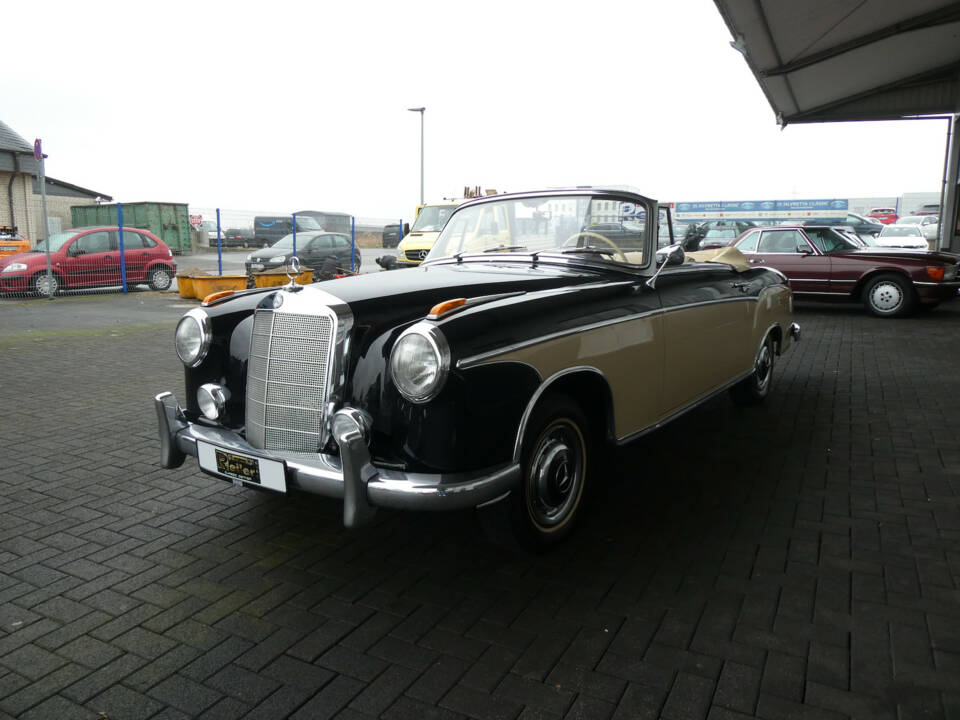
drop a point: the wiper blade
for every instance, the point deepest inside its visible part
(588, 249)
(505, 248)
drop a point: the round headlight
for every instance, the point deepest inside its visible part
(419, 363)
(193, 337)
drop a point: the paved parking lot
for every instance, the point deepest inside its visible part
(796, 560)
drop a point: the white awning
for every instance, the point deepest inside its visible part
(842, 60)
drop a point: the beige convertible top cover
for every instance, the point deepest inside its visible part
(725, 255)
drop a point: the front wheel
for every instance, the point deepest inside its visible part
(555, 464)
(889, 295)
(160, 278)
(46, 286)
(753, 389)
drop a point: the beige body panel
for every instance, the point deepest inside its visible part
(660, 363)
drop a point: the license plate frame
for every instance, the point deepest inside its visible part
(242, 467)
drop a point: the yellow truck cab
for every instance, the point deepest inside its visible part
(430, 219)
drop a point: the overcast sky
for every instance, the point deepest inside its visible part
(282, 106)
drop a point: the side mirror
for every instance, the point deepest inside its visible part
(406, 229)
(804, 249)
(671, 255)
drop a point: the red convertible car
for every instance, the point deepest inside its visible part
(826, 263)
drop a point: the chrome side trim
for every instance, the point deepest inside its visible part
(948, 283)
(682, 411)
(474, 360)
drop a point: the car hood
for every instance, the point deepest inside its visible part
(265, 254)
(398, 296)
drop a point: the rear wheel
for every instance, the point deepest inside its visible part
(45, 286)
(160, 278)
(889, 295)
(555, 464)
(755, 388)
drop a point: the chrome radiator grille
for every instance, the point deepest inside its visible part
(287, 380)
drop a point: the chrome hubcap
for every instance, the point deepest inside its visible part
(764, 365)
(555, 479)
(886, 297)
(161, 279)
(47, 286)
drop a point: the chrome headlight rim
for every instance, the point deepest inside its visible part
(202, 321)
(441, 350)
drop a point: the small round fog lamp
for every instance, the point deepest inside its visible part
(212, 399)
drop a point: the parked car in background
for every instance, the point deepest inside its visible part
(693, 237)
(268, 229)
(718, 237)
(823, 264)
(392, 234)
(210, 228)
(89, 257)
(236, 237)
(858, 223)
(495, 376)
(328, 253)
(929, 224)
(902, 236)
(431, 218)
(12, 241)
(885, 215)
(929, 209)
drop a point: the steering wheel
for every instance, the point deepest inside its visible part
(598, 236)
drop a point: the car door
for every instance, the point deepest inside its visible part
(317, 251)
(92, 259)
(707, 320)
(788, 251)
(135, 255)
(344, 251)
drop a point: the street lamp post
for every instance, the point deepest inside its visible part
(420, 110)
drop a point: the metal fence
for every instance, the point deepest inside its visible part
(192, 251)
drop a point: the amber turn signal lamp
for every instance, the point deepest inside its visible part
(441, 309)
(213, 297)
(936, 273)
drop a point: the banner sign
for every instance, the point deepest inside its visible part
(761, 209)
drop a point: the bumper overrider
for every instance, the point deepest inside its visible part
(350, 476)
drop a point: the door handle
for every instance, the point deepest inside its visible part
(754, 261)
(742, 286)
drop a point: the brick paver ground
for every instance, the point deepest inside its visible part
(796, 560)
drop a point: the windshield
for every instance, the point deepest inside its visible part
(900, 231)
(57, 241)
(605, 228)
(286, 242)
(432, 218)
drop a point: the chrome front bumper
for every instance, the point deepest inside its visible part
(351, 476)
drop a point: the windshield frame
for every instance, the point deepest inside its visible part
(644, 207)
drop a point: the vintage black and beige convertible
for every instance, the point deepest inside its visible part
(492, 376)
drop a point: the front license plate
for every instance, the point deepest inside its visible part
(257, 266)
(239, 466)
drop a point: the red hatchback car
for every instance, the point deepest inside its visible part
(886, 215)
(90, 257)
(828, 263)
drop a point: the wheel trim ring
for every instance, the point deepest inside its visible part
(886, 296)
(551, 517)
